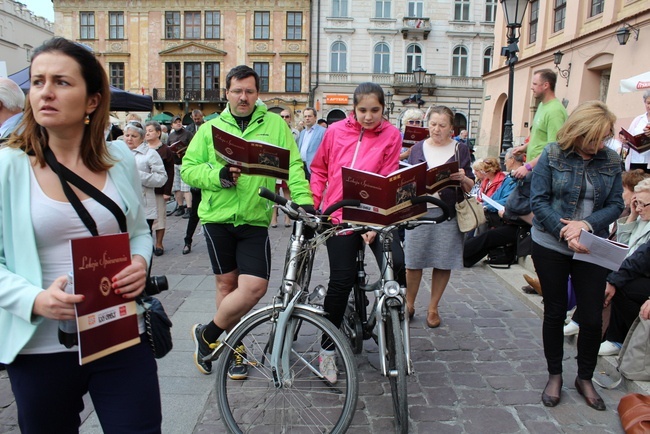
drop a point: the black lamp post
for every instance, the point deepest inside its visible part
(419, 75)
(390, 105)
(514, 12)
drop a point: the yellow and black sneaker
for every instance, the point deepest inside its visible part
(202, 349)
(239, 366)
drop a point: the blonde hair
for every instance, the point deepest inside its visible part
(491, 165)
(586, 127)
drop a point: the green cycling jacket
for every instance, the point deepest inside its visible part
(241, 204)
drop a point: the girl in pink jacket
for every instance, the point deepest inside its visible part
(364, 141)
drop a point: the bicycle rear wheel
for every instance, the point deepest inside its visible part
(304, 402)
(397, 368)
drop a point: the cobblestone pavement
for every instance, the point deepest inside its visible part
(481, 371)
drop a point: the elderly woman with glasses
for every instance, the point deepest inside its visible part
(633, 230)
(576, 186)
(412, 117)
(151, 169)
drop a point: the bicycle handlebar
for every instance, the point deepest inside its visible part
(294, 211)
(268, 194)
(341, 204)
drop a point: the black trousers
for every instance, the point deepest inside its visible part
(193, 221)
(475, 248)
(626, 304)
(342, 254)
(553, 269)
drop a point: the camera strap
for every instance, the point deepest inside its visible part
(67, 177)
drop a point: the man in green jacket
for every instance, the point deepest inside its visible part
(235, 218)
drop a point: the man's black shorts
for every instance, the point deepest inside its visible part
(245, 248)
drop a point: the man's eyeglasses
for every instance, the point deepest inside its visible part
(238, 92)
(286, 116)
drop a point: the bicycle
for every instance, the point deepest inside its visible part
(387, 314)
(284, 390)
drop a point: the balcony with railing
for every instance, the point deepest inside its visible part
(405, 82)
(415, 26)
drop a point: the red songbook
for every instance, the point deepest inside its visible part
(385, 200)
(252, 157)
(106, 322)
(413, 134)
(438, 177)
(640, 143)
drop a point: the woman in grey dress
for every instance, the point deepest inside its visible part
(437, 246)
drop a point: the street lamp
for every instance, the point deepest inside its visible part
(564, 73)
(419, 75)
(390, 105)
(514, 11)
(623, 34)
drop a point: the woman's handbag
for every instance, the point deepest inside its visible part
(157, 325)
(634, 411)
(469, 213)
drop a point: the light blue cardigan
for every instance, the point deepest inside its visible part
(20, 268)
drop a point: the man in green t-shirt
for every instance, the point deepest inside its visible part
(550, 116)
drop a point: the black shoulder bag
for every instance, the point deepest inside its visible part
(157, 323)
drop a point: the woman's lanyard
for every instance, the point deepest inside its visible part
(356, 151)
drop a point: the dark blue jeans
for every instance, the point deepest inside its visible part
(123, 386)
(553, 270)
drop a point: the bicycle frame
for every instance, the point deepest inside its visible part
(383, 300)
(290, 297)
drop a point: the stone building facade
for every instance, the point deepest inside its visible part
(21, 30)
(180, 52)
(384, 41)
(593, 62)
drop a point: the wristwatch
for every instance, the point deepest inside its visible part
(528, 167)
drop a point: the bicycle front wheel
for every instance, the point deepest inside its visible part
(396, 358)
(303, 401)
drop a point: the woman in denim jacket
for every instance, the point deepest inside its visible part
(576, 185)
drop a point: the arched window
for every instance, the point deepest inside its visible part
(338, 57)
(381, 64)
(487, 60)
(413, 57)
(459, 62)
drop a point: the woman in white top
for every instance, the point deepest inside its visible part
(150, 168)
(65, 117)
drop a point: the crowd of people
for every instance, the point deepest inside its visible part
(563, 181)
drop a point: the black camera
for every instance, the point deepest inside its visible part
(156, 285)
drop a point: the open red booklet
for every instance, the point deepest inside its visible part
(179, 148)
(640, 143)
(252, 157)
(385, 200)
(438, 177)
(106, 322)
(413, 134)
